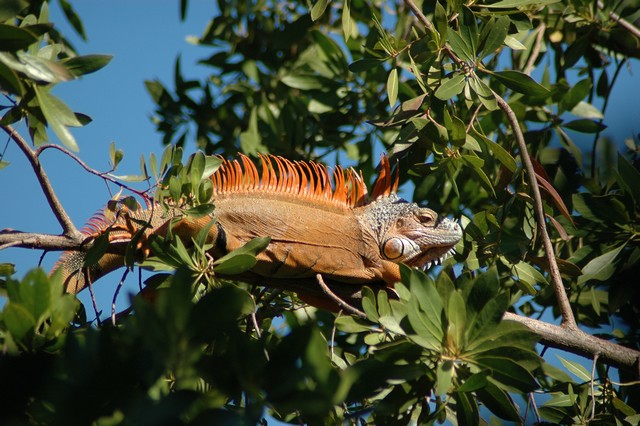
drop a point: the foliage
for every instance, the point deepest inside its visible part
(349, 79)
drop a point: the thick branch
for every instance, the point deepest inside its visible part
(11, 238)
(568, 319)
(69, 229)
(580, 343)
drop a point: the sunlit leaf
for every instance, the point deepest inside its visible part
(318, 9)
(392, 87)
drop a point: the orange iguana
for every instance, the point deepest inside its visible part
(318, 224)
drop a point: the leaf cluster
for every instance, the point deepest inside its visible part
(34, 58)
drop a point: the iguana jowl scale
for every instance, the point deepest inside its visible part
(318, 224)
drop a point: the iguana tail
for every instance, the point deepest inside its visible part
(119, 223)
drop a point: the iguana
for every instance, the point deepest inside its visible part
(319, 223)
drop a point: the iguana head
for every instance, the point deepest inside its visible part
(407, 233)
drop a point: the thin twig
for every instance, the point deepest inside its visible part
(568, 320)
(535, 51)
(115, 296)
(94, 302)
(333, 338)
(103, 175)
(535, 407)
(621, 21)
(593, 395)
(341, 303)
(416, 11)
(69, 229)
(425, 21)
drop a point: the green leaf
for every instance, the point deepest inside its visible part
(486, 96)
(13, 38)
(365, 64)
(425, 309)
(83, 65)
(97, 250)
(441, 22)
(212, 164)
(18, 319)
(347, 22)
(255, 246)
(475, 382)
(451, 87)
(369, 304)
(529, 274)
(521, 83)
(461, 46)
(10, 8)
(584, 125)
(500, 153)
(575, 94)
(511, 4)
(498, 401)
(586, 110)
(349, 324)
(457, 320)
(200, 210)
(115, 155)
(318, 9)
(235, 264)
(494, 34)
(628, 178)
(58, 116)
(392, 87)
(303, 82)
(444, 378)
(576, 369)
(600, 268)
(10, 81)
(73, 18)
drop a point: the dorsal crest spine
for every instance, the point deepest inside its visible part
(309, 181)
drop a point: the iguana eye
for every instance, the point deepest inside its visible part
(393, 248)
(426, 218)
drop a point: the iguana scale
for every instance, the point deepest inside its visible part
(319, 223)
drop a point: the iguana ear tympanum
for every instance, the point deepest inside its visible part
(318, 224)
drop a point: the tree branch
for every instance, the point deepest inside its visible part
(32, 240)
(69, 229)
(535, 51)
(84, 165)
(568, 320)
(580, 343)
(621, 21)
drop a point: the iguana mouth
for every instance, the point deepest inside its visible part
(433, 257)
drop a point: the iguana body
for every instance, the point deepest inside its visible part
(315, 227)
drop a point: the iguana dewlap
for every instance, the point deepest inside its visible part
(319, 223)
